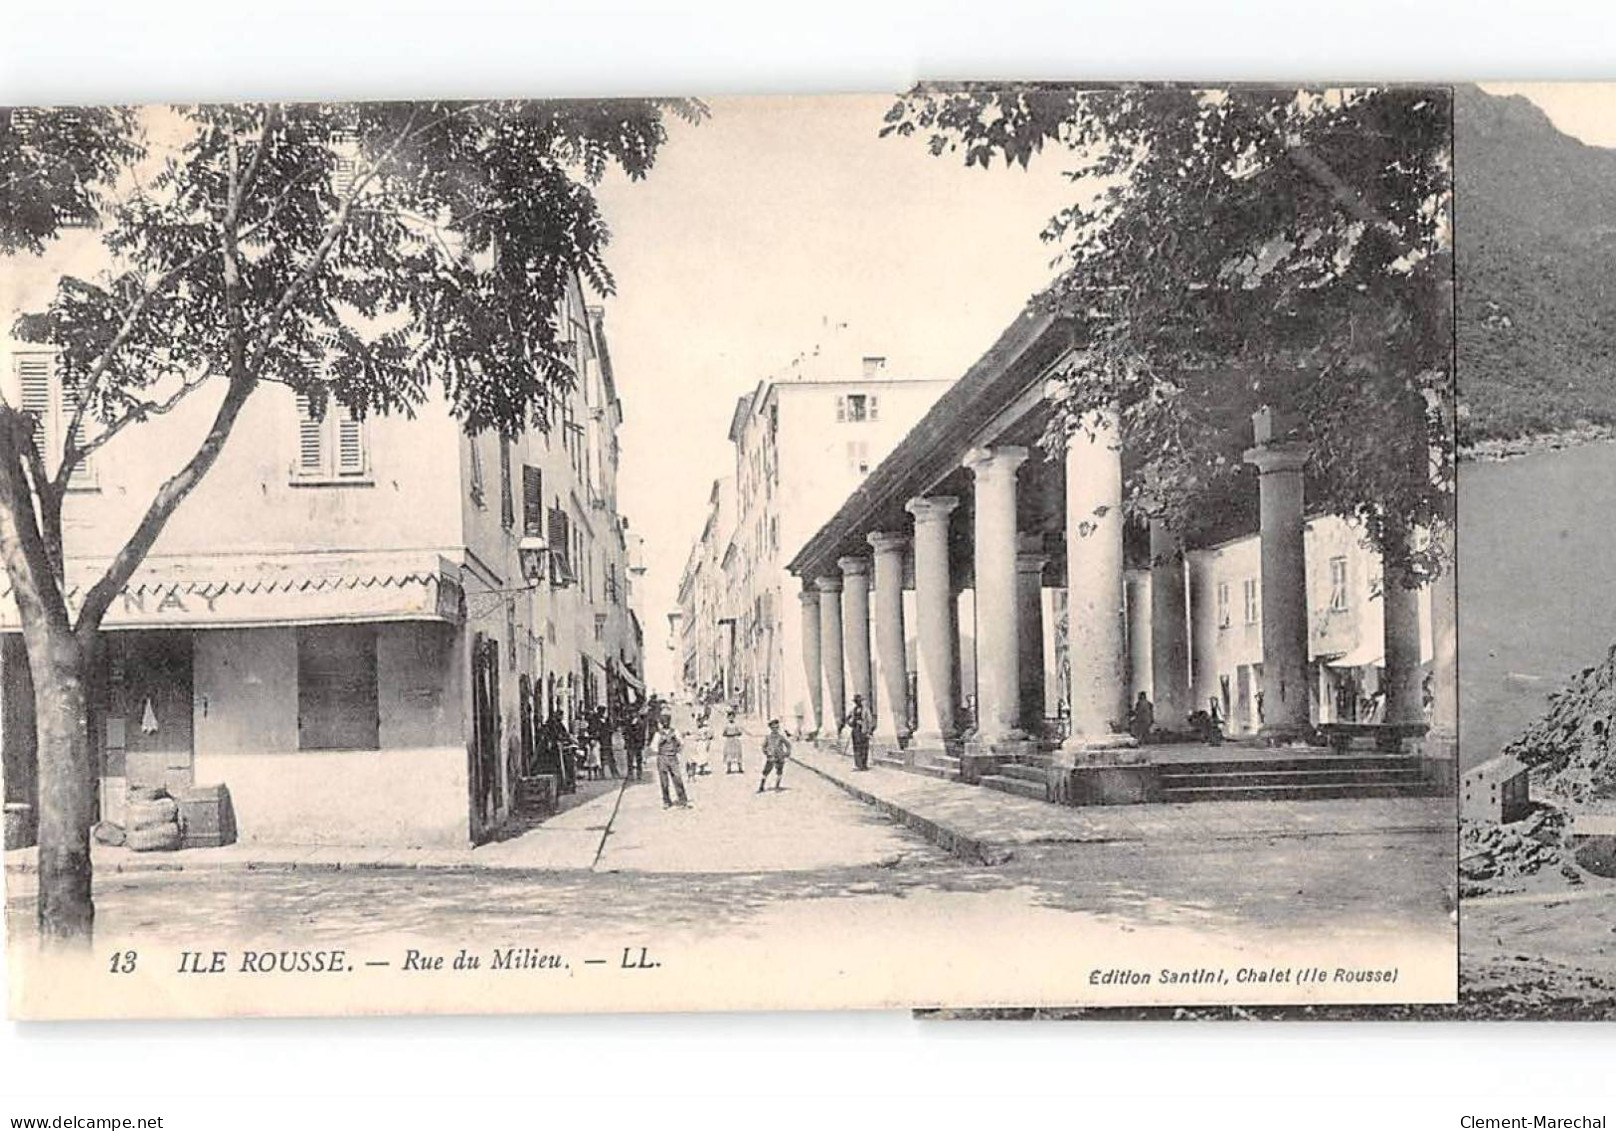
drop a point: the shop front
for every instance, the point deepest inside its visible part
(329, 696)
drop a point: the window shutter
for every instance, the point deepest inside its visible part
(350, 444)
(532, 502)
(841, 410)
(875, 408)
(84, 474)
(507, 512)
(310, 439)
(476, 470)
(34, 375)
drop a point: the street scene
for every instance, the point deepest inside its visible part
(696, 539)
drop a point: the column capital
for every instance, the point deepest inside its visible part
(887, 541)
(809, 596)
(853, 566)
(1268, 458)
(828, 584)
(933, 508)
(994, 461)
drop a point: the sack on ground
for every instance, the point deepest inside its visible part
(151, 814)
(105, 832)
(163, 838)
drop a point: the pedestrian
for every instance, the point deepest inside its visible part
(633, 732)
(732, 746)
(860, 722)
(667, 762)
(603, 735)
(592, 764)
(776, 749)
(1144, 719)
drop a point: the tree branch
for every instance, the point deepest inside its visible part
(34, 581)
(168, 497)
(141, 411)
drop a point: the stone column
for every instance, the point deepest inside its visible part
(1169, 629)
(1401, 643)
(856, 625)
(892, 722)
(1096, 642)
(811, 661)
(830, 654)
(934, 620)
(1203, 634)
(1284, 588)
(998, 649)
(1443, 739)
(1030, 562)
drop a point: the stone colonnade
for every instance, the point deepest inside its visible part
(840, 620)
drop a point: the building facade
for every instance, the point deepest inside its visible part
(802, 444)
(337, 623)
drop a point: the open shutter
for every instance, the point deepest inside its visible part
(875, 408)
(841, 410)
(350, 444)
(507, 511)
(310, 439)
(34, 376)
(532, 502)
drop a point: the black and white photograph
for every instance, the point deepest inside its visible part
(984, 544)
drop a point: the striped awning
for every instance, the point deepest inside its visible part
(290, 589)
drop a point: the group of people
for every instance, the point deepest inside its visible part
(664, 737)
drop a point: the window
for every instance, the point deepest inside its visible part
(44, 392)
(560, 547)
(336, 688)
(331, 446)
(507, 508)
(510, 628)
(858, 457)
(478, 495)
(1223, 604)
(532, 502)
(1253, 607)
(1338, 584)
(600, 626)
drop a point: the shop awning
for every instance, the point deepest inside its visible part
(255, 592)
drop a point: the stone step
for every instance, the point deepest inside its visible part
(1297, 792)
(1321, 776)
(1021, 787)
(1025, 772)
(1276, 765)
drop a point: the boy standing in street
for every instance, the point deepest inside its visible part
(776, 749)
(667, 762)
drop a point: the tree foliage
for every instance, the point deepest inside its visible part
(368, 255)
(1240, 248)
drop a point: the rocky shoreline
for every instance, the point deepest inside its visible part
(1497, 450)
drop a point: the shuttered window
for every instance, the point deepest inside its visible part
(560, 545)
(532, 502)
(507, 509)
(331, 446)
(45, 393)
(336, 688)
(34, 377)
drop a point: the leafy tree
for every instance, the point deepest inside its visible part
(1238, 249)
(362, 254)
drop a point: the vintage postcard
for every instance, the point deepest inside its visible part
(985, 545)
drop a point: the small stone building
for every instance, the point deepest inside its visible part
(1497, 790)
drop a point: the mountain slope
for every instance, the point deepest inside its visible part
(1536, 242)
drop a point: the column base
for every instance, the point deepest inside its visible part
(980, 757)
(1285, 734)
(1097, 750)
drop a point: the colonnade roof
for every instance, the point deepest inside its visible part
(982, 401)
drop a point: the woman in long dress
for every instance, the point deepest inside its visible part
(732, 746)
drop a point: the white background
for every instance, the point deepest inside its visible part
(783, 1071)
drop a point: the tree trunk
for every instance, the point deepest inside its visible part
(66, 786)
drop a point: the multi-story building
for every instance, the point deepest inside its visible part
(353, 624)
(803, 443)
(706, 630)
